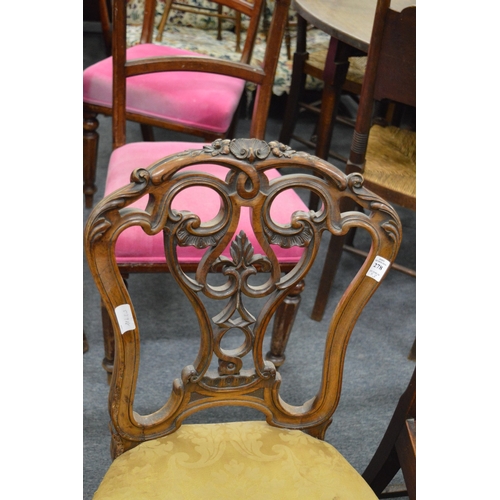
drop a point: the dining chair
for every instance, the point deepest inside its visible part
(281, 454)
(202, 102)
(204, 8)
(135, 253)
(397, 450)
(309, 61)
(384, 155)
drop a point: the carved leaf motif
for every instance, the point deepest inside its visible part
(241, 250)
(298, 239)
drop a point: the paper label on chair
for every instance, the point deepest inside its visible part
(378, 268)
(125, 318)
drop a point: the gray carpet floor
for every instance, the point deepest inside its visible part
(377, 368)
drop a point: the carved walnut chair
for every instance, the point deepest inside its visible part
(157, 455)
(192, 95)
(135, 253)
(385, 155)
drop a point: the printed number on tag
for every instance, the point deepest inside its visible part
(378, 268)
(125, 318)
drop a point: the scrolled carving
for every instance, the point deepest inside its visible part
(355, 180)
(140, 176)
(290, 238)
(235, 315)
(188, 236)
(391, 227)
(251, 149)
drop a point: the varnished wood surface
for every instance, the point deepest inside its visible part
(350, 21)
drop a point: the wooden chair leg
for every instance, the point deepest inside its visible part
(406, 447)
(163, 21)
(85, 343)
(297, 85)
(109, 342)
(147, 133)
(327, 277)
(390, 457)
(90, 144)
(334, 75)
(105, 25)
(412, 355)
(283, 323)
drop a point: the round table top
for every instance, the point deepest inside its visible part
(350, 21)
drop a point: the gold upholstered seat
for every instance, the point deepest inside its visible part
(243, 460)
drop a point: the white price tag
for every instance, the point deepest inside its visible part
(125, 318)
(378, 268)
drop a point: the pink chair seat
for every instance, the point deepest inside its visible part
(201, 100)
(134, 246)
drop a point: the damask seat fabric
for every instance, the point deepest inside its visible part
(133, 246)
(203, 100)
(243, 460)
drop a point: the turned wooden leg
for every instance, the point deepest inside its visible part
(148, 134)
(297, 86)
(327, 277)
(90, 143)
(109, 342)
(85, 343)
(283, 323)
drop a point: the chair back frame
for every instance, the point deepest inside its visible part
(256, 386)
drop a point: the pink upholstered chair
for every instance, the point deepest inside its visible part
(202, 102)
(134, 251)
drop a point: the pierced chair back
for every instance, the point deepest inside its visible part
(218, 376)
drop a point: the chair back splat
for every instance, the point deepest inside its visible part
(242, 376)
